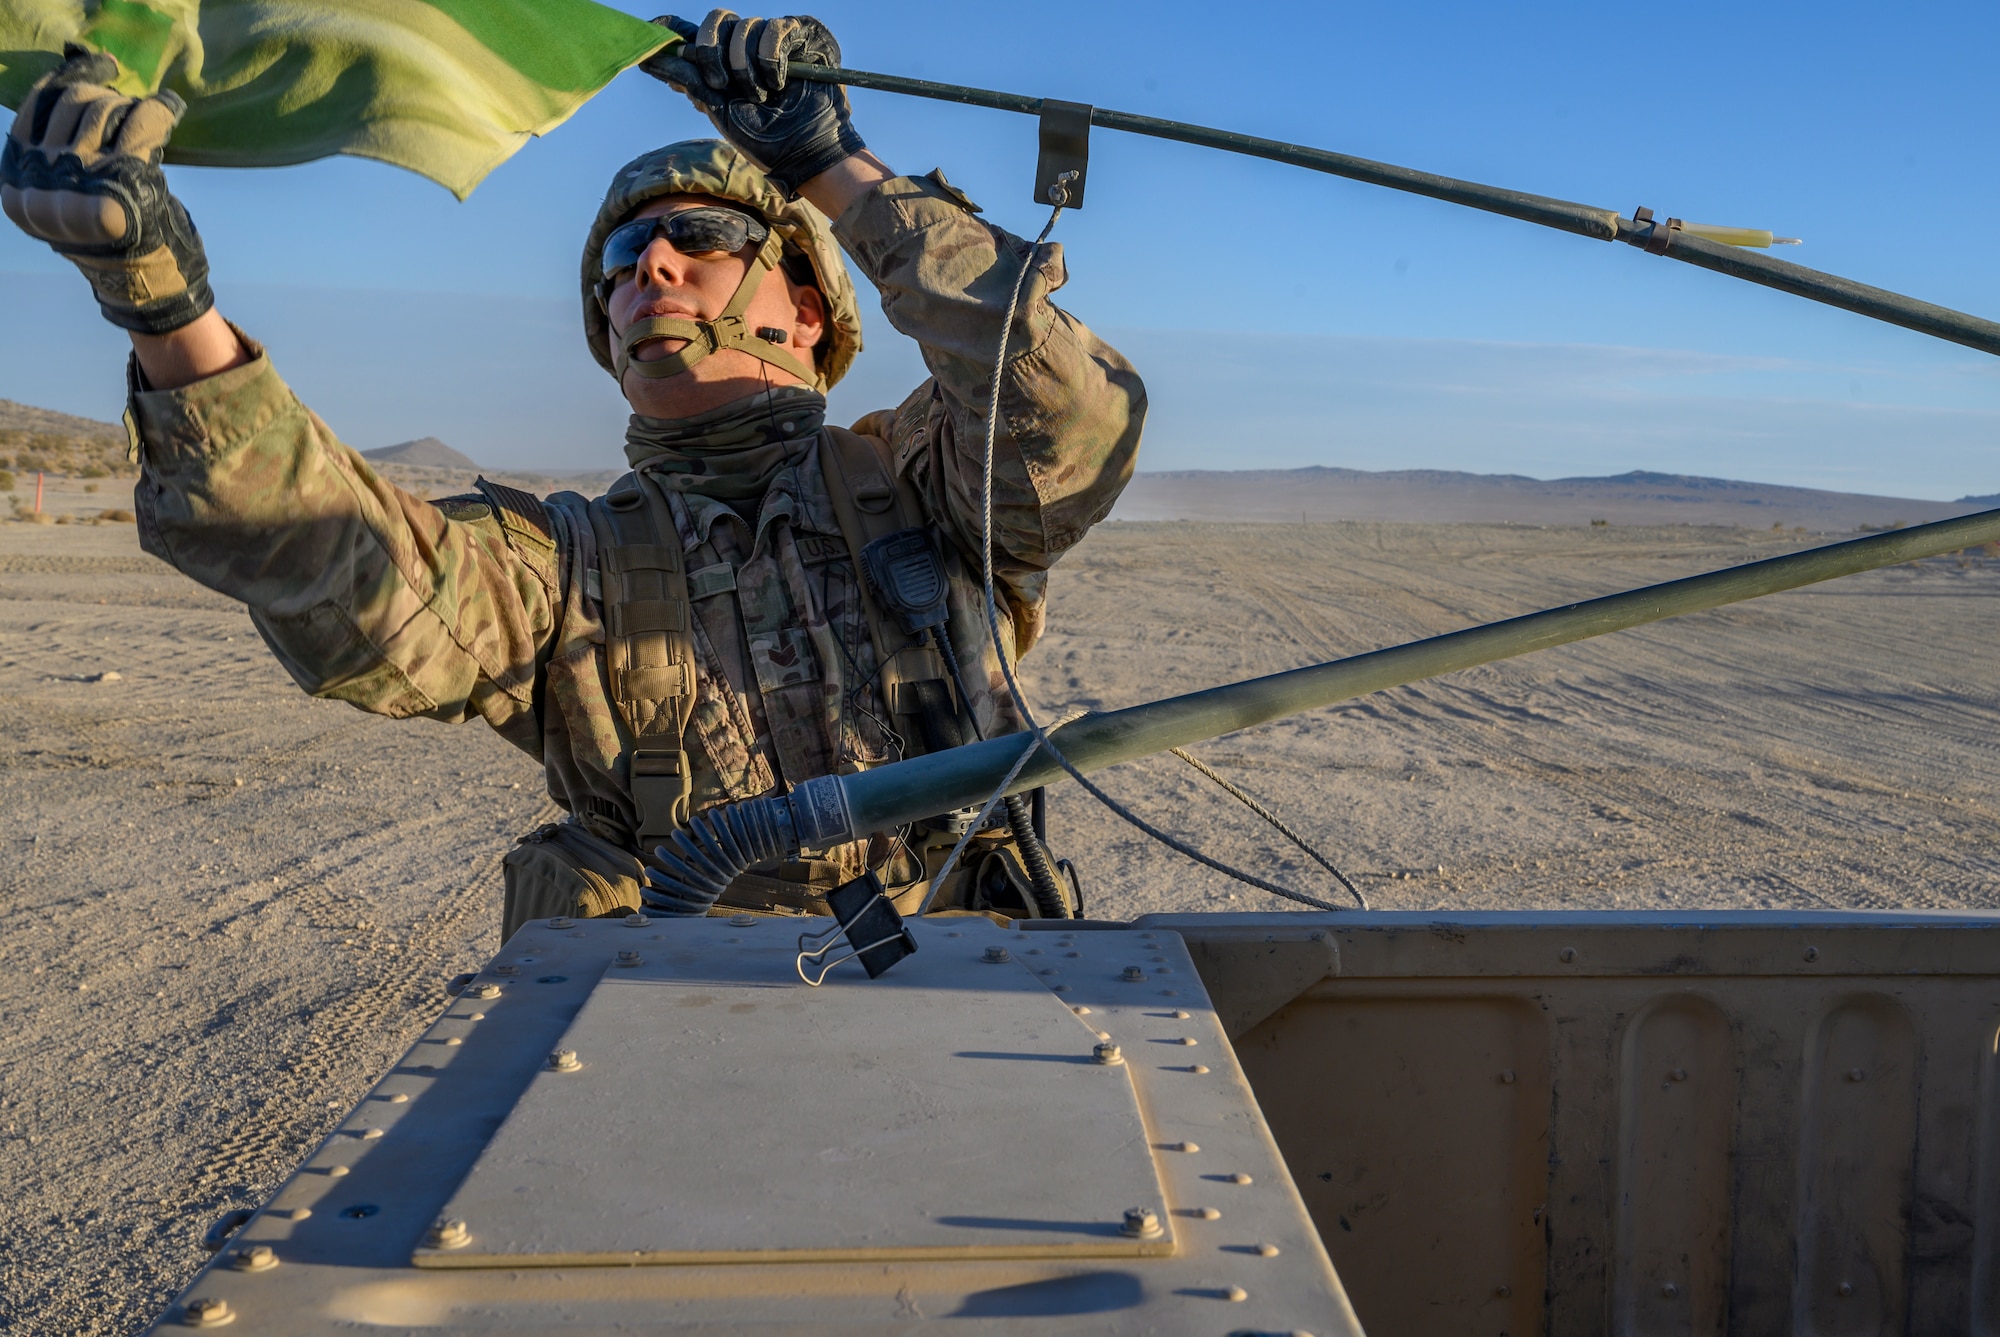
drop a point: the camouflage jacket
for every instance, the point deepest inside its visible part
(404, 607)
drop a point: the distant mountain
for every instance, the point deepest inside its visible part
(425, 453)
(1985, 503)
(27, 418)
(1436, 496)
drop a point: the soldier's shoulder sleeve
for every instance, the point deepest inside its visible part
(525, 523)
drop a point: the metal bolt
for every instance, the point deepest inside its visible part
(1856, 1075)
(1678, 1075)
(1844, 1289)
(256, 1258)
(742, 921)
(1506, 1076)
(446, 1233)
(564, 1060)
(506, 970)
(1107, 1054)
(1812, 953)
(560, 921)
(1141, 1223)
(636, 920)
(484, 991)
(1134, 974)
(1668, 1290)
(1567, 955)
(631, 959)
(1503, 1291)
(208, 1312)
(995, 955)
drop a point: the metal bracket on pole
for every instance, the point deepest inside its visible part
(1659, 237)
(1065, 160)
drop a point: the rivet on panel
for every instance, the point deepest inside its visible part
(564, 1060)
(742, 921)
(1197, 1068)
(1812, 953)
(400, 1098)
(1678, 1075)
(561, 921)
(996, 955)
(1081, 1010)
(446, 1233)
(637, 920)
(256, 1258)
(1239, 1178)
(1180, 1146)
(1186, 1040)
(1669, 1291)
(1180, 1014)
(1856, 1075)
(1503, 1291)
(1566, 955)
(1844, 1289)
(1267, 1251)
(484, 991)
(507, 970)
(208, 1312)
(1235, 1293)
(1506, 1076)
(1141, 1223)
(1202, 1213)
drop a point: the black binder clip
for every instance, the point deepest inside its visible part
(874, 931)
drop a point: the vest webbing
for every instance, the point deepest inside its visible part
(649, 656)
(649, 644)
(871, 501)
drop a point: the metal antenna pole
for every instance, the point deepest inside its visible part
(1663, 237)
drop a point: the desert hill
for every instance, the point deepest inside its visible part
(1430, 496)
(425, 452)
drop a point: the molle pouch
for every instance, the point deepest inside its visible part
(562, 869)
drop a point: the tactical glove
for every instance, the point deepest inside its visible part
(733, 69)
(81, 171)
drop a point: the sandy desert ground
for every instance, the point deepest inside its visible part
(224, 907)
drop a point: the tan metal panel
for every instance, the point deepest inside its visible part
(1677, 1099)
(1889, 1185)
(1856, 1147)
(1427, 1120)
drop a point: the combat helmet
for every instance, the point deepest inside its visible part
(713, 167)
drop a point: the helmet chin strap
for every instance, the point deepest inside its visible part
(728, 330)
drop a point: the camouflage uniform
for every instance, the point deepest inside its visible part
(493, 606)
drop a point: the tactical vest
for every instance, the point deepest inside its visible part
(650, 670)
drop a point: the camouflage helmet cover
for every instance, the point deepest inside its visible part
(712, 167)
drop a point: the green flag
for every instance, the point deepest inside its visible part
(447, 88)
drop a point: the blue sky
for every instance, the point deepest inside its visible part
(1283, 318)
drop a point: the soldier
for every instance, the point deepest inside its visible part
(703, 632)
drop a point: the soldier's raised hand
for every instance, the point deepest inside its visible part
(733, 70)
(81, 171)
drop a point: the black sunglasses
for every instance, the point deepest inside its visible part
(709, 230)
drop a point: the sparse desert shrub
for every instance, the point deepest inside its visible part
(1599, 524)
(94, 471)
(36, 517)
(6, 481)
(118, 516)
